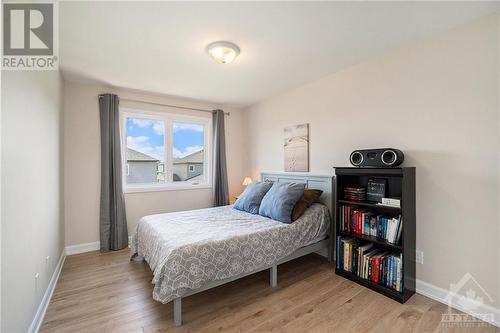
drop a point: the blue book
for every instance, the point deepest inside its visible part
(366, 228)
(379, 226)
(395, 273)
(401, 272)
(339, 240)
(385, 227)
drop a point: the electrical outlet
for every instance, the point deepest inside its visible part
(47, 266)
(419, 257)
(37, 275)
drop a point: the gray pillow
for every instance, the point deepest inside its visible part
(279, 201)
(249, 200)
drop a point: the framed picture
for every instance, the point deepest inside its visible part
(296, 148)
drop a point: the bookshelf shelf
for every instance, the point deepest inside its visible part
(400, 183)
(370, 205)
(396, 295)
(372, 239)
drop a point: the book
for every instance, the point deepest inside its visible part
(393, 202)
(355, 193)
(376, 189)
(358, 221)
(365, 260)
(373, 226)
(361, 252)
(366, 223)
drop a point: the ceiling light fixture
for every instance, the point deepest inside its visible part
(223, 52)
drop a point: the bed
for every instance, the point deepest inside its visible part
(192, 251)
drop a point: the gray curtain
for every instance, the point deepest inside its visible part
(113, 221)
(221, 192)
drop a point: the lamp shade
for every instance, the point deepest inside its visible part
(247, 181)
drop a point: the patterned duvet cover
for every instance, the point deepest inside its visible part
(186, 250)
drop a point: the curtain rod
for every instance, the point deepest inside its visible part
(169, 105)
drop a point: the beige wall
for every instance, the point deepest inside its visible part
(32, 224)
(82, 162)
(437, 100)
(498, 154)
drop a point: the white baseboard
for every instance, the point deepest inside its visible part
(82, 248)
(440, 295)
(47, 296)
(86, 247)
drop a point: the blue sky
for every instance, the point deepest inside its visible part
(147, 136)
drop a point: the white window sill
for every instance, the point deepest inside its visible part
(161, 188)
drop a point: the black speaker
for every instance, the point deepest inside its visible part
(383, 157)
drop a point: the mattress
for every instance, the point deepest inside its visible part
(185, 250)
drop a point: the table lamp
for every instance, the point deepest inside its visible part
(247, 181)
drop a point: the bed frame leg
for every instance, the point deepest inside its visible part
(274, 276)
(178, 311)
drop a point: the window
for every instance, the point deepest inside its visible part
(164, 151)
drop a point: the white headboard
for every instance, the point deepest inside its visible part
(318, 182)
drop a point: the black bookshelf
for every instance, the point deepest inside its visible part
(400, 184)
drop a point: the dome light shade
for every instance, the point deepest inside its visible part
(223, 52)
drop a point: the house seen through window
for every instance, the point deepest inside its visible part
(188, 152)
(164, 149)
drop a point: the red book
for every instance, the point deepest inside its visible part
(375, 268)
(377, 277)
(346, 218)
(351, 220)
(355, 222)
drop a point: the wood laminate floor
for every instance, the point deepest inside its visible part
(108, 293)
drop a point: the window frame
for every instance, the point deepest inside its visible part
(169, 119)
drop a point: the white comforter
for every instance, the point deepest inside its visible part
(185, 250)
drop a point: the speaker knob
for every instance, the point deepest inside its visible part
(356, 158)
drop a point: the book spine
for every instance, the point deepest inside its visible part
(400, 272)
(345, 256)
(374, 269)
(394, 274)
(337, 263)
(390, 272)
(380, 271)
(400, 230)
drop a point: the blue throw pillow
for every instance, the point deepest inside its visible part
(249, 200)
(279, 201)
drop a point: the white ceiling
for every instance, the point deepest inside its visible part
(160, 46)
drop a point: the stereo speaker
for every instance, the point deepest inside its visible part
(383, 157)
